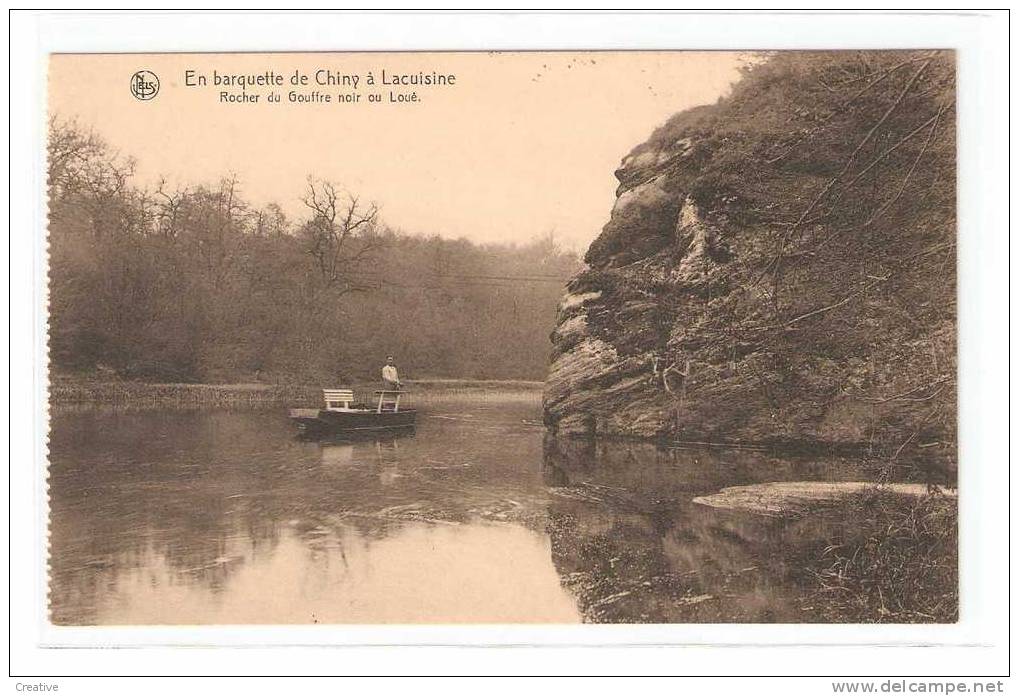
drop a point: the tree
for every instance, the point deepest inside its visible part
(341, 235)
(194, 283)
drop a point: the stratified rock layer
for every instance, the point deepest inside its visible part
(778, 267)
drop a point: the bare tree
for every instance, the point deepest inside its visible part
(169, 209)
(82, 166)
(271, 222)
(341, 235)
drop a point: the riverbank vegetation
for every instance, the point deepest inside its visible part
(196, 284)
(888, 559)
(76, 389)
(885, 552)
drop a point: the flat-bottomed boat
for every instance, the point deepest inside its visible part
(342, 415)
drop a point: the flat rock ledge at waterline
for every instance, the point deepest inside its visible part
(796, 498)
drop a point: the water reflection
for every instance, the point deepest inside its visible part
(225, 517)
(343, 452)
(220, 517)
(631, 546)
(419, 573)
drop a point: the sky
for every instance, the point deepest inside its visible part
(520, 145)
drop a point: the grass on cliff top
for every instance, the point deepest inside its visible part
(890, 560)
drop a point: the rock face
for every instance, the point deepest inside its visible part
(777, 267)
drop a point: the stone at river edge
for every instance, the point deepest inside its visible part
(778, 267)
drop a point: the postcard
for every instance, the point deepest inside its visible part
(531, 337)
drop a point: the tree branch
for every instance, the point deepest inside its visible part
(777, 263)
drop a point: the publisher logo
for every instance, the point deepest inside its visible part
(144, 85)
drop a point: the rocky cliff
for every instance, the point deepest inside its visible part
(778, 267)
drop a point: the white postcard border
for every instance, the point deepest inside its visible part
(983, 270)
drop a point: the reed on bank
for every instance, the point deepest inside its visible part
(888, 559)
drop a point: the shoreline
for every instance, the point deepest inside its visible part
(79, 391)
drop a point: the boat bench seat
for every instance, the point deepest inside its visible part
(389, 400)
(338, 399)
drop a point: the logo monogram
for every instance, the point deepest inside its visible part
(144, 85)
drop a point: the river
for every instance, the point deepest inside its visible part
(224, 517)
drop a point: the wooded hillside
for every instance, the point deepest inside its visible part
(197, 284)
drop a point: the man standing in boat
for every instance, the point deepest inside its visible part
(390, 377)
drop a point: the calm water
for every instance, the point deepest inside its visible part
(218, 517)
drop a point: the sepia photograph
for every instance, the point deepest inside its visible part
(443, 346)
(502, 337)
